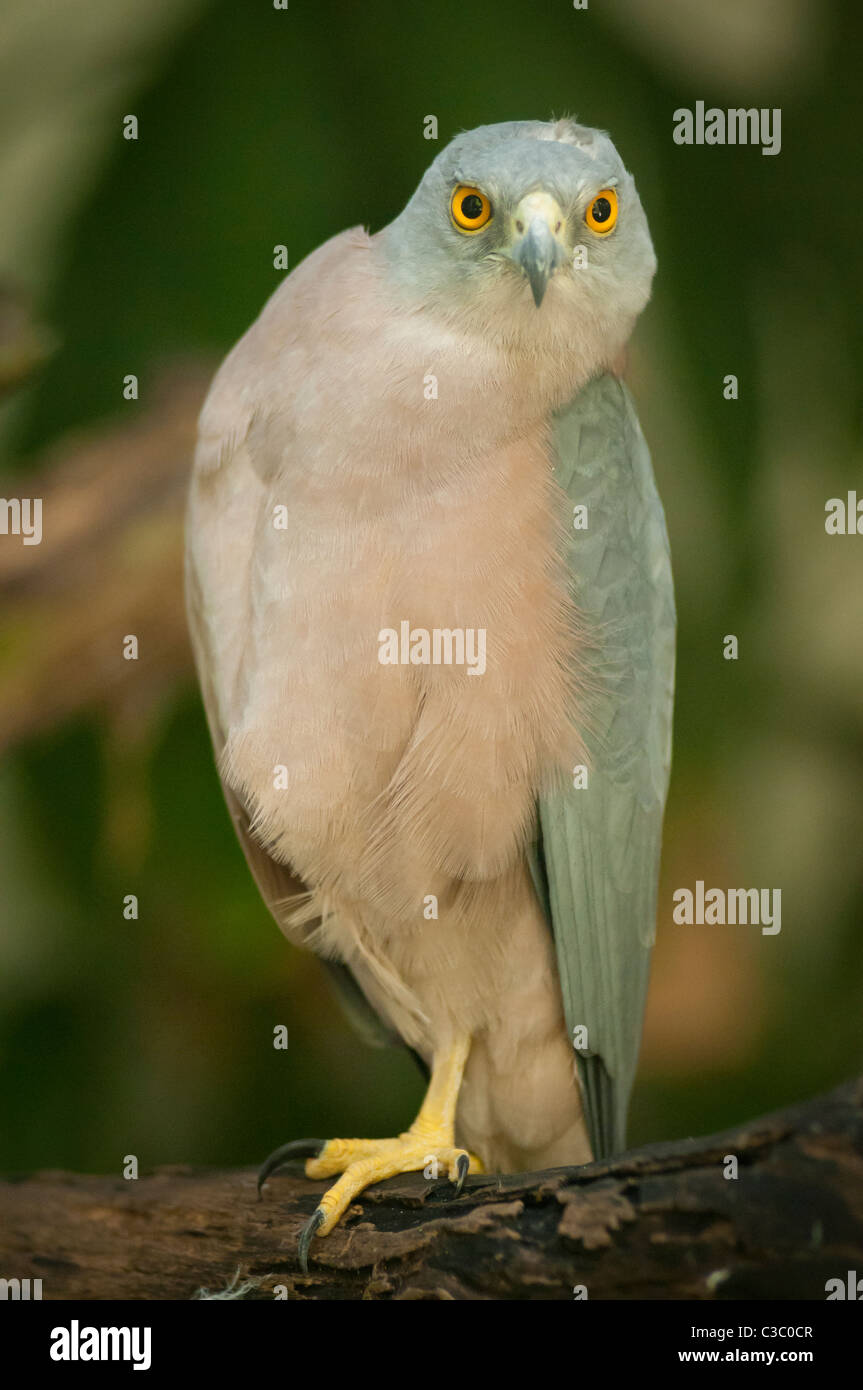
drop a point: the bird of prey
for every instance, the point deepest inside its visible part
(430, 596)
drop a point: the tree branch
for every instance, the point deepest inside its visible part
(659, 1222)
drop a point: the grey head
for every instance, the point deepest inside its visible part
(527, 213)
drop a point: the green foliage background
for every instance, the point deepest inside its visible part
(259, 127)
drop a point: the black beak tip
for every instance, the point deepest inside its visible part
(538, 286)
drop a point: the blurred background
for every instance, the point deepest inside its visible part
(150, 257)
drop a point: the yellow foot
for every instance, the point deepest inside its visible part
(428, 1144)
(362, 1162)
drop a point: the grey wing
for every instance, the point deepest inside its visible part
(596, 860)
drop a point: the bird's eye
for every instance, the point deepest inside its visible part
(470, 209)
(601, 215)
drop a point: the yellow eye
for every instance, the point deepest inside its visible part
(470, 209)
(601, 215)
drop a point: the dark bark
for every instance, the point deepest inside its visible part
(659, 1222)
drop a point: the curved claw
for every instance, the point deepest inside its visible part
(307, 1234)
(297, 1148)
(462, 1168)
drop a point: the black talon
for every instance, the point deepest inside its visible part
(316, 1220)
(297, 1148)
(462, 1166)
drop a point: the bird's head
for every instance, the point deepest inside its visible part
(531, 232)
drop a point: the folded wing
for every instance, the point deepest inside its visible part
(596, 860)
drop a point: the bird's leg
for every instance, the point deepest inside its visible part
(361, 1162)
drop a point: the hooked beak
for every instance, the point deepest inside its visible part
(536, 247)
